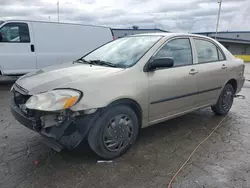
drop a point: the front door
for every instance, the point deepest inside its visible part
(17, 54)
(212, 71)
(172, 90)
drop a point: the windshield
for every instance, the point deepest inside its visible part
(1, 22)
(123, 52)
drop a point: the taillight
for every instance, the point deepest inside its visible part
(114, 37)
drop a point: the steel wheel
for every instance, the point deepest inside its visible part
(114, 131)
(118, 132)
(227, 100)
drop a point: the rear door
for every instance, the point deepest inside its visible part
(212, 70)
(172, 90)
(17, 54)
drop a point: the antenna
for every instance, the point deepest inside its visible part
(192, 26)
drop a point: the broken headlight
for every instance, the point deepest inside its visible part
(54, 100)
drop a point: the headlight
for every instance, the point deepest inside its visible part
(53, 100)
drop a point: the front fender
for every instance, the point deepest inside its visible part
(100, 93)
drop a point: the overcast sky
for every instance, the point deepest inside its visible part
(172, 15)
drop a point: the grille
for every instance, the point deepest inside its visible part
(20, 95)
(19, 98)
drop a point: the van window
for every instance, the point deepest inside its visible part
(15, 33)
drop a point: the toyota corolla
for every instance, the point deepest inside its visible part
(108, 95)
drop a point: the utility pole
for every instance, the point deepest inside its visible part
(58, 11)
(218, 19)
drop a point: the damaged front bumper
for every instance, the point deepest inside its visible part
(67, 132)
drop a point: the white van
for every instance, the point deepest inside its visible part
(26, 46)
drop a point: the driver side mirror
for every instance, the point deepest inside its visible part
(165, 62)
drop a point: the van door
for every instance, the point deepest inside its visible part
(17, 52)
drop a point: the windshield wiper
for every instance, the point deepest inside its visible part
(95, 62)
(100, 62)
(82, 61)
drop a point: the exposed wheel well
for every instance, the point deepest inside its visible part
(233, 82)
(133, 105)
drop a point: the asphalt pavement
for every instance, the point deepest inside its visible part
(223, 161)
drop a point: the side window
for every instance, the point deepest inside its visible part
(15, 32)
(178, 49)
(207, 51)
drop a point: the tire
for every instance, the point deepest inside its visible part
(225, 101)
(116, 125)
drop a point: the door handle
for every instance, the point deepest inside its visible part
(32, 47)
(193, 71)
(224, 66)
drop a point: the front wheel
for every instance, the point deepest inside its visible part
(113, 132)
(225, 101)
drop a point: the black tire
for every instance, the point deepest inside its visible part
(225, 101)
(108, 123)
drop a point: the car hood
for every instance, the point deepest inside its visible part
(61, 75)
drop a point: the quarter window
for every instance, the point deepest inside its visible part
(15, 32)
(179, 50)
(207, 51)
(221, 56)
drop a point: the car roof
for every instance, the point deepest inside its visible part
(168, 35)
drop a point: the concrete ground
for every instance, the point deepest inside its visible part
(223, 160)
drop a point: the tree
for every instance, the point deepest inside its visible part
(135, 27)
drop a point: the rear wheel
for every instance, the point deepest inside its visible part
(114, 132)
(225, 101)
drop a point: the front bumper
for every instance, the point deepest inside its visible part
(68, 134)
